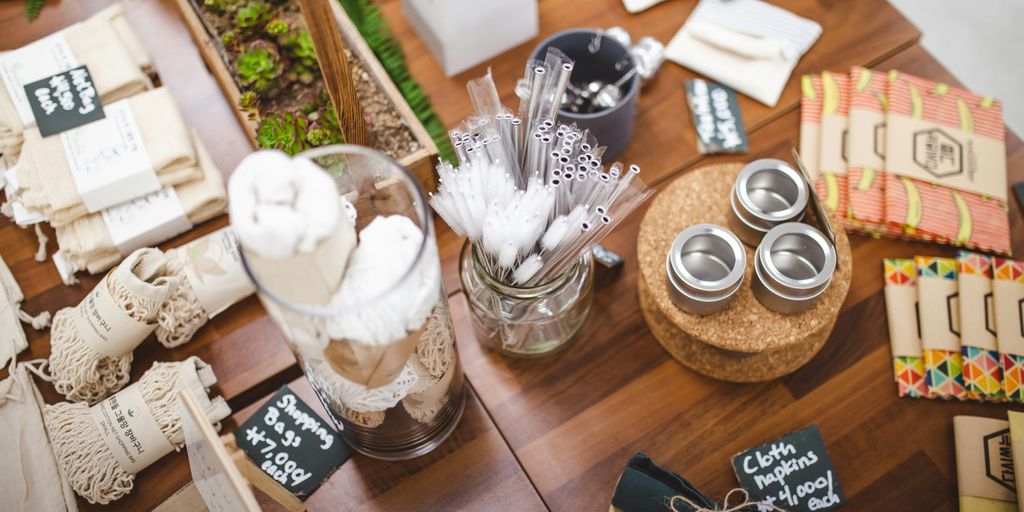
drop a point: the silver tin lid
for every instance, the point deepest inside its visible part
(767, 192)
(793, 267)
(704, 268)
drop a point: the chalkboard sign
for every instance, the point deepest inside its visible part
(292, 444)
(716, 117)
(793, 472)
(64, 101)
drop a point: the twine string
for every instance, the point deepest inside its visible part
(741, 494)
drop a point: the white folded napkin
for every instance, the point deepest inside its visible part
(748, 45)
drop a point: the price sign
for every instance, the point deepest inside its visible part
(291, 443)
(793, 472)
(64, 101)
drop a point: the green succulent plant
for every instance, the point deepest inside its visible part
(276, 27)
(249, 100)
(302, 63)
(229, 39)
(286, 132)
(253, 16)
(259, 67)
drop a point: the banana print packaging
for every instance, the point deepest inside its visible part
(946, 163)
(898, 156)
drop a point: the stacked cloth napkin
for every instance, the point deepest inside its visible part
(88, 244)
(748, 45)
(45, 179)
(899, 156)
(105, 43)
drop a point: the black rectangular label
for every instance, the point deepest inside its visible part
(793, 472)
(64, 101)
(288, 441)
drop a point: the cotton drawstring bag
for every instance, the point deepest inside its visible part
(129, 38)
(12, 337)
(49, 184)
(97, 43)
(91, 242)
(91, 344)
(30, 476)
(212, 279)
(101, 448)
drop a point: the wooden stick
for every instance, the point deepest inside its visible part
(330, 52)
(259, 479)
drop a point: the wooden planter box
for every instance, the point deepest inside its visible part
(420, 162)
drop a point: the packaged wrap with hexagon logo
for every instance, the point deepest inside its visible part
(945, 159)
(984, 464)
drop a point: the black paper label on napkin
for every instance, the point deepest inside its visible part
(716, 117)
(793, 472)
(64, 101)
(292, 444)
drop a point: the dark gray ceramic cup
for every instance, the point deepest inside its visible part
(613, 127)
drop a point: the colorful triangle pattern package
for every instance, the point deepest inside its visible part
(904, 333)
(940, 326)
(983, 379)
(956, 326)
(1008, 298)
(898, 156)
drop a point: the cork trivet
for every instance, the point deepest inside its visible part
(746, 328)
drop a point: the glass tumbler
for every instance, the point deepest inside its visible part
(385, 367)
(526, 322)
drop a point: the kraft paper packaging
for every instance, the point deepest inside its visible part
(983, 379)
(946, 164)
(904, 338)
(984, 464)
(1008, 295)
(940, 326)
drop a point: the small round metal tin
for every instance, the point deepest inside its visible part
(793, 267)
(704, 268)
(767, 192)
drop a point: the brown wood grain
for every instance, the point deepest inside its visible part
(474, 455)
(573, 419)
(330, 52)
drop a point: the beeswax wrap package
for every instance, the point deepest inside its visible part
(835, 105)
(983, 379)
(866, 153)
(904, 338)
(946, 164)
(810, 122)
(1008, 296)
(940, 326)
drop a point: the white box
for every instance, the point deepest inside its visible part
(464, 33)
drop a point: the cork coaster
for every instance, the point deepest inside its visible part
(745, 329)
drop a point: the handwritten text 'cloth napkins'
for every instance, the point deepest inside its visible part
(749, 45)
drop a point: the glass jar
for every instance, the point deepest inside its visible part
(526, 322)
(385, 367)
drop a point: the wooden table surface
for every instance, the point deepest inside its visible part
(555, 433)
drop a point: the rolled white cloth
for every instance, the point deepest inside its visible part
(291, 221)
